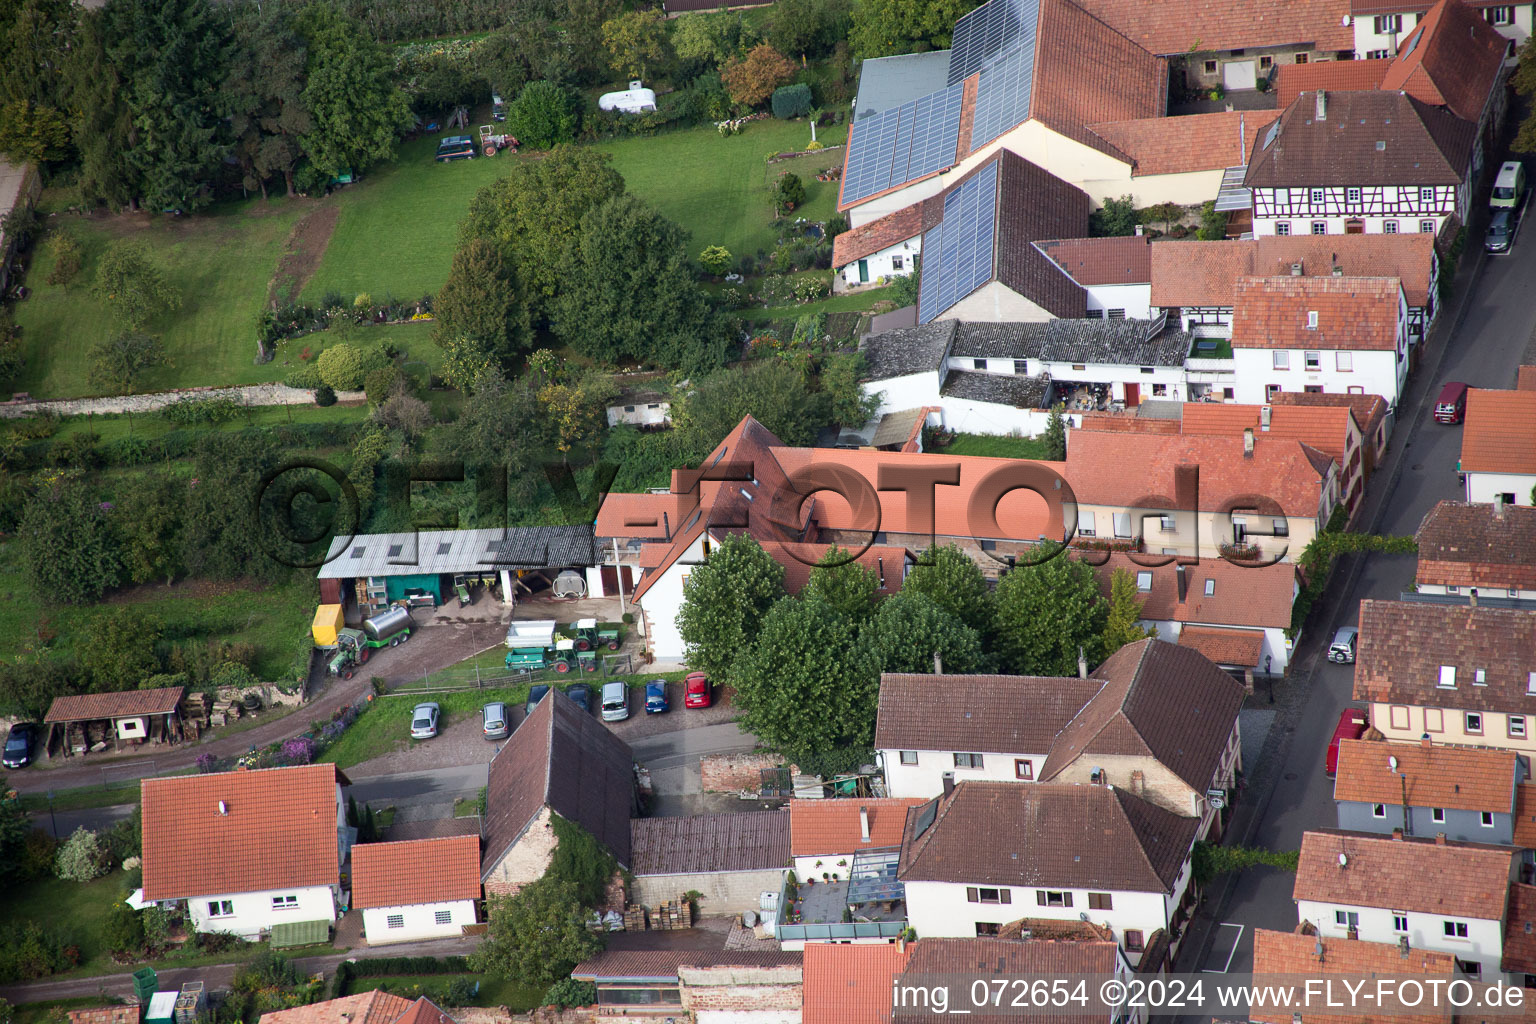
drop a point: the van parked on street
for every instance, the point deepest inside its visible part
(1509, 186)
(1451, 406)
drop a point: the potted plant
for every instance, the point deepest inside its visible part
(825, 876)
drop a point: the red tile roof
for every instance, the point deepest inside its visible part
(1520, 931)
(1296, 954)
(984, 713)
(1525, 378)
(277, 830)
(1405, 644)
(416, 871)
(127, 704)
(1460, 778)
(820, 827)
(373, 1007)
(1228, 24)
(1267, 592)
(1332, 75)
(1471, 879)
(1452, 58)
(1353, 313)
(1190, 273)
(1368, 410)
(1500, 432)
(1118, 469)
(1099, 261)
(851, 984)
(647, 516)
(424, 1011)
(1467, 545)
(868, 239)
(1199, 273)
(1193, 142)
(1326, 428)
(1240, 647)
(1525, 816)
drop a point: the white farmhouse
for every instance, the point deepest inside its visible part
(247, 850)
(985, 854)
(1435, 894)
(1498, 446)
(416, 889)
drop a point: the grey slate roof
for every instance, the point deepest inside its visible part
(982, 341)
(886, 82)
(896, 427)
(747, 841)
(429, 551)
(907, 350)
(1005, 389)
(1122, 342)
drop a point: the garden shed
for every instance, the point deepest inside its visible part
(730, 858)
(92, 722)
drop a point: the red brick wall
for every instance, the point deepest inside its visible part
(728, 773)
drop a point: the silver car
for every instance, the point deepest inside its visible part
(424, 722)
(1342, 650)
(494, 717)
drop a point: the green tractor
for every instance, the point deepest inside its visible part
(587, 636)
(354, 646)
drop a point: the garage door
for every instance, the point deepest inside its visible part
(1240, 74)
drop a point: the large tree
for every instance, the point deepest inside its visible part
(482, 302)
(543, 115)
(843, 584)
(885, 27)
(501, 425)
(173, 57)
(35, 40)
(119, 648)
(132, 284)
(537, 935)
(1524, 81)
(1123, 613)
(774, 391)
(1048, 613)
(266, 95)
(70, 551)
(752, 79)
(708, 40)
(630, 295)
(808, 27)
(224, 534)
(117, 362)
(636, 43)
(806, 686)
(357, 109)
(910, 628)
(724, 602)
(102, 122)
(148, 520)
(534, 215)
(948, 577)
(14, 827)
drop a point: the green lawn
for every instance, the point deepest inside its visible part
(493, 991)
(77, 911)
(276, 619)
(114, 425)
(995, 445)
(855, 302)
(385, 727)
(717, 187)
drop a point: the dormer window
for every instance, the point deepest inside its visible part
(1311, 319)
(1210, 588)
(1480, 678)
(1447, 677)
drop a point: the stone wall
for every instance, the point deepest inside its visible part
(542, 1015)
(527, 860)
(771, 995)
(724, 892)
(730, 773)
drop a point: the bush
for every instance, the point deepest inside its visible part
(542, 116)
(306, 377)
(68, 258)
(715, 259)
(125, 838)
(37, 854)
(325, 395)
(568, 992)
(28, 953)
(82, 857)
(791, 101)
(790, 192)
(76, 450)
(123, 929)
(343, 367)
(378, 385)
(190, 411)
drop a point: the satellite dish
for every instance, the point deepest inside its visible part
(1392, 763)
(1343, 860)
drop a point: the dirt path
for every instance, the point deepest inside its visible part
(306, 245)
(250, 394)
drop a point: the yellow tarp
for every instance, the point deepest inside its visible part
(328, 621)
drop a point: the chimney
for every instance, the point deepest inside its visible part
(1180, 574)
(1338, 271)
(1402, 946)
(1140, 230)
(864, 824)
(666, 526)
(1247, 442)
(1321, 114)
(901, 943)
(1426, 742)
(1296, 269)
(938, 664)
(1317, 950)
(1397, 834)
(1472, 597)
(1265, 413)
(1498, 506)
(1082, 664)
(949, 783)
(1439, 838)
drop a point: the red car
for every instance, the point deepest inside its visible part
(1351, 726)
(696, 690)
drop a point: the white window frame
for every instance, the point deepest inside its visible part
(1427, 194)
(1317, 196)
(285, 903)
(1389, 227)
(1400, 922)
(1144, 581)
(972, 760)
(221, 908)
(1437, 815)
(1352, 194)
(1516, 727)
(906, 754)
(1280, 359)
(1454, 929)
(1378, 810)
(1283, 227)
(1344, 362)
(1388, 24)
(1503, 15)
(395, 921)
(1426, 227)
(1313, 361)
(1319, 227)
(1485, 819)
(1472, 723)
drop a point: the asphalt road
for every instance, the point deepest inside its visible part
(1483, 352)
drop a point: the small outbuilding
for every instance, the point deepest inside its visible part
(417, 889)
(93, 722)
(732, 859)
(635, 100)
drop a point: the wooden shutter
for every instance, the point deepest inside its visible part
(1005, 896)
(971, 895)
(1066, 899)
(1040, 896)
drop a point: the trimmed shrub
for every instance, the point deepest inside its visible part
(342, 367)
(325, 395)
(791, 101)
(81, 858)
(306, 377)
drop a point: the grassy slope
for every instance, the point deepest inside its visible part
(995, 445)
(271, 618)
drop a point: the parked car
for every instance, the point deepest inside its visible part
(1342, 650)
(19, 743)
(696, 690)
(455, 147)
(655, 698)
(581, 694)
(615, 702)
(1509, 187)
(1502, 227)
(494, 718)
(1351, 726)
(424, 722)
(535, 694)
(1451, 406)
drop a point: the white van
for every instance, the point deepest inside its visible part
(615, 702)
(1509, 186)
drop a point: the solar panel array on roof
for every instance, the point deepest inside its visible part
(907, 142)
(1002, 95)
(986, 32)
(958, 252)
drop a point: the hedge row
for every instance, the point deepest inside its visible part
(388, 966)
(133, 450)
